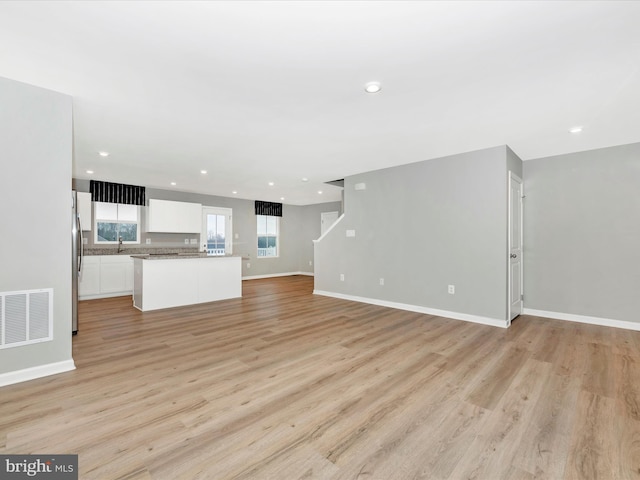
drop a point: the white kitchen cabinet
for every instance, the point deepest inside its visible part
(113, 273)
(84, 210)
(106, 276)
(173, 217)
(89, 280)
(128, 279)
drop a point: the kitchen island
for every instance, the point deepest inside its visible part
(173, 280)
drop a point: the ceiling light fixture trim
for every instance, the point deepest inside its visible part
(372, 87)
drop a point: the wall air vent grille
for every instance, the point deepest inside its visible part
(26, 317)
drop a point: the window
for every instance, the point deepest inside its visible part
(217, 230)
(115, 221)
(268, 235)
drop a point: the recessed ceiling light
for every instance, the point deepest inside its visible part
(372, 87)
(89, 172)
(235, 192)
(319, 192)
(271, 184)
(204, 172)
(305, 179)
(103, 154)
(577, 129)
(173, 183)
(281, 198)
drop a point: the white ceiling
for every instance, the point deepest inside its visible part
(263, 91)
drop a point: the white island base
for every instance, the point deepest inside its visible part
(176, 281)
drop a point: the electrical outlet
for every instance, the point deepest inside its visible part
(85, 241)
(452, 289)
(148, 241)
(248, 265)
(236, 236)
(342, 277)
(194, 241)
(186, 241)
(310, 263)
(382, 281)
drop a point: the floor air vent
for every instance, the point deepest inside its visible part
(26, 317)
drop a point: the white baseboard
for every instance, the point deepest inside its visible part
(273, 275)
(105, 295)
(570, 317)
(419, 309)
(32, 373)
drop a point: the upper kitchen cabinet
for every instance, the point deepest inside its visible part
(84, 209)
(173, 217)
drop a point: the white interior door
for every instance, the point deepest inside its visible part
(515, 246)
(326, 220)
(217, 231)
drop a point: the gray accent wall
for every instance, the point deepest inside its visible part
(299, 226)
(422, 227)
(35, 184)
(581, 233)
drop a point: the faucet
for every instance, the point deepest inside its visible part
(119, 244)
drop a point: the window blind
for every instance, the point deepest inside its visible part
(116, 193)
(268, 208)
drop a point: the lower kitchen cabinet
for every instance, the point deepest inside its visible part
(106, 276)
(89, 280)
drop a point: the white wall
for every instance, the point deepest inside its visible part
(310, 228)
(35, 188)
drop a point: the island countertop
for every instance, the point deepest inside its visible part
(170, 256)
(181, 256)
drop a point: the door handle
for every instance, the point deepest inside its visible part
(513, 255)
(81, 248)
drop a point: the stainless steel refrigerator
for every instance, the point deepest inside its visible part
(77, 247)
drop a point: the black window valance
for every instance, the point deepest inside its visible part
(116, 193)
(268, 208)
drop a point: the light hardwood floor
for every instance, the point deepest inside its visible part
(282, 384)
